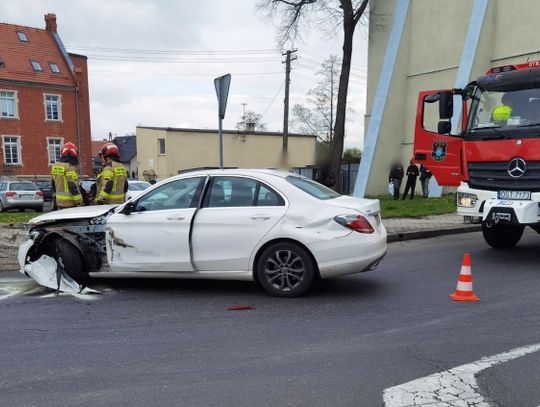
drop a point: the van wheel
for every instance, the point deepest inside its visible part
(285, 270)
(502, 236)
(68, 255)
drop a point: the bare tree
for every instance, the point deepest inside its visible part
(316, 116)
(295, 15)
(251, 121)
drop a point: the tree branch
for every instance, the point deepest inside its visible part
(360, 11)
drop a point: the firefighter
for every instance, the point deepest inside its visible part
(112, 182)
(65, 179)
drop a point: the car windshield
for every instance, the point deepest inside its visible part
(22, 186)
(138, 186)
(503, 111)
(313, 188)
(44, 184)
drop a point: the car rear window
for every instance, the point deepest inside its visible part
(138, 186)
(313, 188)
(22, 186)
(44, 184)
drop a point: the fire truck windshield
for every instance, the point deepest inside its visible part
(504, 114)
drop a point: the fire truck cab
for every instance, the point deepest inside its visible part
(493, 156)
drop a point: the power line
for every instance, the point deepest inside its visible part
(158, 74)
(273, 99)
(188, 52)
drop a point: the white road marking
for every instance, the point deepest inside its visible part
(454, 387)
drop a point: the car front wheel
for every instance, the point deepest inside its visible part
(285, 270)
(68, 257)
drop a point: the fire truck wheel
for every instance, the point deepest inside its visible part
(502, 236)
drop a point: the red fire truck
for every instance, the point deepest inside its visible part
(493, 157)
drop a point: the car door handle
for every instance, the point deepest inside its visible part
(260, 217)
(176, 218)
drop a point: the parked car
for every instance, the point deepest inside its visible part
(135, 188)
(46, 188)
(20, 195)
(276, 228)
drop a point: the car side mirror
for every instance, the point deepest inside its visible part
(129, 208)
(444, 127)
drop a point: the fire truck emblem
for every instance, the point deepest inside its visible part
(439, 151)
(517, 167)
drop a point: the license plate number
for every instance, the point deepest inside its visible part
(27, 196)
(514, 195)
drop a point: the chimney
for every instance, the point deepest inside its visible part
(50, 22)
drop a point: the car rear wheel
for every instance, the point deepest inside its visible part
(2, 209)
(501, 236)
(69, 257)
(285, 270)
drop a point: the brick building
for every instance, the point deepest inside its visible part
(44, 100)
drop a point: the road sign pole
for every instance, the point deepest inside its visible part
(222, 85)
(220, 143)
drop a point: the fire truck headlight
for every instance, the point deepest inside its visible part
(466, 200)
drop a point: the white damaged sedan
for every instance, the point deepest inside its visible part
(276, 228)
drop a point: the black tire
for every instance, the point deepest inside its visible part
(502, 236)
(68, 255)
(40, 209)
(2, 209)
(285, 270)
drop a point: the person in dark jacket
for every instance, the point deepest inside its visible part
(395, 177)
(425, 176)
(412, 174)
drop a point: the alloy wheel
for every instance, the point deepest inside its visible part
(284, 270)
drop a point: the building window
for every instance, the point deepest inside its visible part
(22, 36)
(2, 63)
(12, 150)
(161, 144)
(36, 66)
(54, 146)
(8, 104)
(53, 107)
(54, 67)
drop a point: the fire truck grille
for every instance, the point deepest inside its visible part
(493, 176)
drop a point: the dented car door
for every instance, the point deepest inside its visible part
(154, 235)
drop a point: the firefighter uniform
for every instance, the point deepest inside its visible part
(66, 182)
(111, 184)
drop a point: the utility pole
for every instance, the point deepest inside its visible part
(332, 102)
(287, 63)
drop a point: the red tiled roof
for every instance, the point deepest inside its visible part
(41, 47)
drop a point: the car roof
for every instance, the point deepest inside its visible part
(248, 172)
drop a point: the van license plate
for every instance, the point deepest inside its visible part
(514, 195)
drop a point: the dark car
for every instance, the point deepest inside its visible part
(46, 188)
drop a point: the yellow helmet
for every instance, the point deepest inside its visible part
(502, 113)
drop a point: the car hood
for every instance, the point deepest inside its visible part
(366, 206)
(82, 212)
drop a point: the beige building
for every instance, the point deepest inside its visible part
(419, 45)
(165, 151)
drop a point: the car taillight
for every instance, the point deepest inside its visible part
(11, 194)
(39, 193)
(358, 223)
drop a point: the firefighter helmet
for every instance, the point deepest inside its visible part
(69, 149)
(502, 113)
(109, 149)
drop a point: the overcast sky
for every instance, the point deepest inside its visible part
(131, 84)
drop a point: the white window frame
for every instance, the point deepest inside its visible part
(59, 107)
(164, 146)
(19, 149)
(16, 105)
(49, 139)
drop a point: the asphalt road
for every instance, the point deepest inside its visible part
(165, 343)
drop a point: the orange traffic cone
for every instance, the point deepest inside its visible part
(464, 290)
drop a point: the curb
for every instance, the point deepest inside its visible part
(400, 237)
